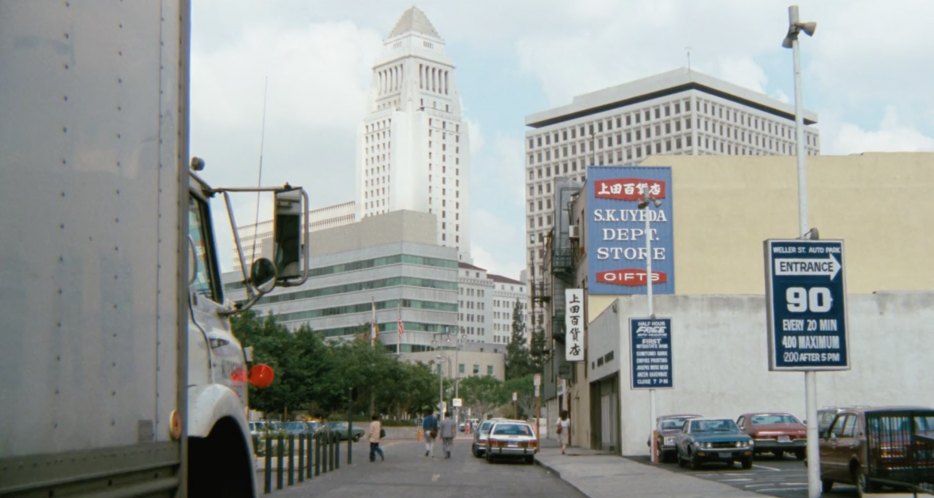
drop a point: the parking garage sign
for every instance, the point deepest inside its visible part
(806, 305)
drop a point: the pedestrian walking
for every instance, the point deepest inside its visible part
(563, 429)
(447, 430)
(376, 435)
(430, 428)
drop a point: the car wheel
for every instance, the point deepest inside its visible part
(356, 438)
(530, 459)
(681, 462)
(695, 462)
(489, 456)
(801, 454)
(473, 449)
(826, 485)
(747, 462)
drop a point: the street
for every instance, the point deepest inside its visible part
(406, 472)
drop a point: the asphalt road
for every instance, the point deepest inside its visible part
(407, 473)
(769, 476)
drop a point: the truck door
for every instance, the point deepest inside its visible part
(215, 355)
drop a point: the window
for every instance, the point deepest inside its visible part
(205, 282)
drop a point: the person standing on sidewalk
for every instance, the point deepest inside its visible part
(430, 429)
(376, 434)
(447, 430)
(563, 429)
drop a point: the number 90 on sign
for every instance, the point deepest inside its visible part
(803, 300)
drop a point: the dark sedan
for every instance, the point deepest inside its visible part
(341, 429)
(704, 440)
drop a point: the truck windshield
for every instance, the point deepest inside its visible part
(205, 283)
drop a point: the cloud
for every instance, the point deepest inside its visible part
(494, 247)
(891, 136)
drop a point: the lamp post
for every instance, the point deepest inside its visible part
(646, 203)
(438, 359)
(795, 26)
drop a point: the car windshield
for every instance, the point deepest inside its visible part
(485, 427)
(294, 426)
(724, 425)
(774, 418)
(672, 424)
(512, 430)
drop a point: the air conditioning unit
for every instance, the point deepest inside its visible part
(575, 232)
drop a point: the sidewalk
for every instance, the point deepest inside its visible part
(604, 475)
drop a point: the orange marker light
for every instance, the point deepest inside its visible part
(261, 375)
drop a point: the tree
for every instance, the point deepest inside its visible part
(525, 394)
(538, 354)
(518, 361)
(481, 393)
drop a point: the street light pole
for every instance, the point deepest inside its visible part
(646, 203)
(795, 26)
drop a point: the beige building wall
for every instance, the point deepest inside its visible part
(881, 205)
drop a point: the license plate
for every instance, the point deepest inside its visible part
(726, 456)
(513, 444)
(784, 439)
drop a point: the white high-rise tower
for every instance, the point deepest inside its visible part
(413, 148)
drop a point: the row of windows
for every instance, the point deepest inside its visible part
(435, 328)
(357, 287)
(591, 129)
(470, 317)
(434, 79)
(366, 307)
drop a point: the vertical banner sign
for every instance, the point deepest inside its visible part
(574, 325)
(650, 353)
(806, 305)
(616, 229)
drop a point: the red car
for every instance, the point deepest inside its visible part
(775, 432)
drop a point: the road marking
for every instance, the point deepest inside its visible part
(774, 469)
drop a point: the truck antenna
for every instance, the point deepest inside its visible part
(259, 179)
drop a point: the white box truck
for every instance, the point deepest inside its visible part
(120, 374)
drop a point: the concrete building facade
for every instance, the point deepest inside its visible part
(386, 267)
(413, 148)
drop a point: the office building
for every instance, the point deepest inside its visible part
(413, 151)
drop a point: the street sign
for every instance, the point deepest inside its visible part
(457, 402)
(650, 353)
(806, 305)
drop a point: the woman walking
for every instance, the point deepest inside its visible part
(564, 430)
(376, 434)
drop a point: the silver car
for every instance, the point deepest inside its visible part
(480, 436)
(511, 439)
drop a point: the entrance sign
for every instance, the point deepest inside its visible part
(574, 325)
(650, 353)
(806, 305)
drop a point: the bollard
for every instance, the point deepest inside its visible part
(267, 476)
(308, 472)
(279, 463)
(317, 454)
(291, 478)
(337, 452)
(301, 458)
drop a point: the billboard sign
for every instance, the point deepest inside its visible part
(806, 305)
(616, 229)
(650, 353)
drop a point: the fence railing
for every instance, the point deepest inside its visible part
(293, 458)
(900, 450)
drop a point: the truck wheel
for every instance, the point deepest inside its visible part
(224, 448)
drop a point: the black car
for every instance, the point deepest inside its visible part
(704, 440)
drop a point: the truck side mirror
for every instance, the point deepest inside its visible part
(287, 233)
(263, 275)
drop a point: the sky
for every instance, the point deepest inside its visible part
(283, 84)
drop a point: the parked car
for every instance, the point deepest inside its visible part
(775, 433)
(298, 427)
(480, 436)
(703, 440)
(341, 429)
(873, 447)
(666, 428)
(825, 417)
(511, 439)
